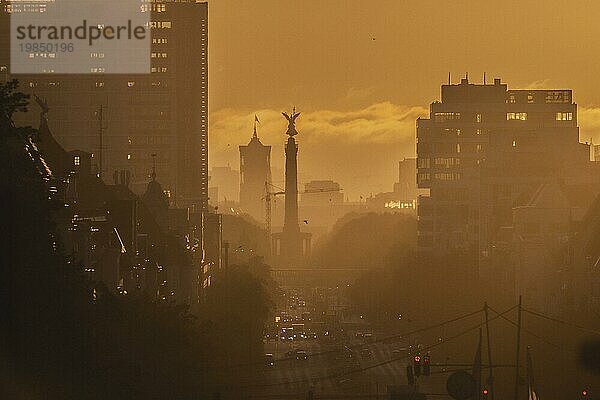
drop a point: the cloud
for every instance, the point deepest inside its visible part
(589, 124)
(538, 85)
(359, 148)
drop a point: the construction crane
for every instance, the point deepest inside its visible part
(269, 195)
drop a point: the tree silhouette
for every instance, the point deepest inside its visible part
(64, 337)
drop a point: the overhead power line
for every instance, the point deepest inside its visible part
(559, 321)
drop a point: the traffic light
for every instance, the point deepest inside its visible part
(417, 365)
(410, 377)
(426, 366)
(485, 392)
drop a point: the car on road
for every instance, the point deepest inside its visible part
(269, 360)
(366, 353)
(301, 355)
(401, 352)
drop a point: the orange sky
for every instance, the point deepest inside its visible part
(362, 71)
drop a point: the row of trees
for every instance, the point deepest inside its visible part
(65, 337)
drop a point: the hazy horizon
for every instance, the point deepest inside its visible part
(338, 63)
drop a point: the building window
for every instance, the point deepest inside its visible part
(446, 116)
(446, 162)
(514, 143)
(521, 116)
(160, 24)
(130, 84)
(478, 131)
(562, 96)
(458, 147)
(423, 163)
(479, 148)
(447, 176)
(478, 118)
(423, 177)
(512, 99)
(129, 156)
(564, 116)
(530, 98)
(76, 161)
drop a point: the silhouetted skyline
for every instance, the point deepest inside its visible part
(321, 57)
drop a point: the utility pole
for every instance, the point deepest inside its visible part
(101, 133)
(489, 351)
(227, 300)
(518, 349)
(268, 218)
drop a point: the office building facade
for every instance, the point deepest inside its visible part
(483, 151)
(123, 120)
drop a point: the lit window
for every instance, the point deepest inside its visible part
(447, 176)
(530, 98)
(564, 116)
(458, 147)
(446, 116)
(129, 156)
(563, 96)
(76, 161)
(478, 131)
(479, 148)
(423, 162)
(514, 143)
(130, 84)
(478, 117)
(422, 177)
(521, 116)
(512, 99)
(99, 84)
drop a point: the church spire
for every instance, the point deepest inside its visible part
(256, 120)
(153, 155)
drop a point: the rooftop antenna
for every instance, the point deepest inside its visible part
(484, 78)
(467, 76)
(449, 80)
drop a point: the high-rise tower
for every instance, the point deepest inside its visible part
(164, 112)
(484, 150)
